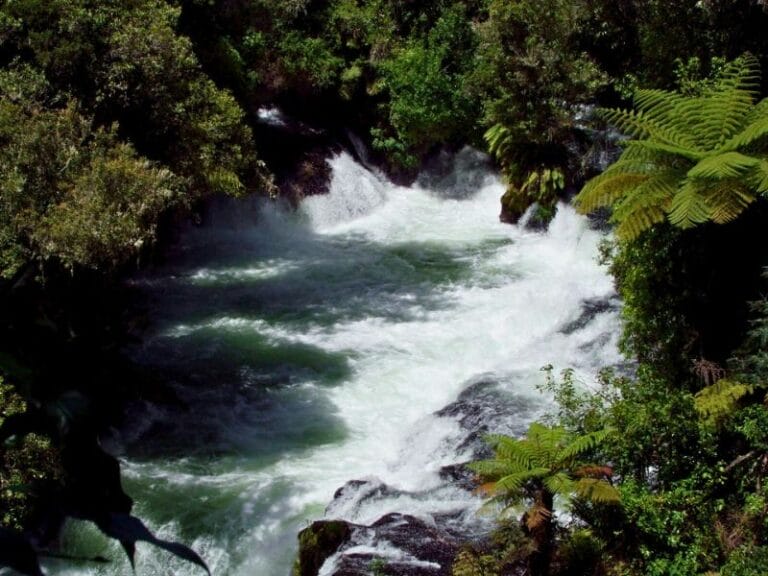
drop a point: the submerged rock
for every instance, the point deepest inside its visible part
(590, 309)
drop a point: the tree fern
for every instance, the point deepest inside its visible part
(692, 159)
(715, 402)
(544, 462)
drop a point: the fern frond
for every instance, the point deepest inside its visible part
(511, 486)
(645, 205)
(759, 177)
(597, 490)
(715, 402)
(547, 442)
(727, 200)
(688, 207)
(641, 220)
(756, 130)
(638, 125)
(673, 149)
(511, 449)
(559, 483)
(582, 444)
(492, 469)
(606, 189)
(655, 193)
(726, 165)
(499, 139)
(742, 74)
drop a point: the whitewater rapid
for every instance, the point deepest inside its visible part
(309, 348)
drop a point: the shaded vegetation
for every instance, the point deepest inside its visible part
(114, 115)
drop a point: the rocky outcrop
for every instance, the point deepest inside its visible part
(426, 540)
(317, 543)
(395, 545)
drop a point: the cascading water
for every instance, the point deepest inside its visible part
(307, 349)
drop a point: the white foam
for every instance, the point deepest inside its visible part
(501, 314)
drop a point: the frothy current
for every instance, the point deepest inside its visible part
(306, 349)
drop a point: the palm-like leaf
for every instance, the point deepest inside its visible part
(545, 461)
(692, 159)
(597, 490)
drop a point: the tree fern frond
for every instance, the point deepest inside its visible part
(656, 193)
(644, 206)
(665, 110)
(741, 74)
(691, 154)
(688, 207)
(559, 483)
(606, 189)
(759, 111)
(726, 165)
(756, 130)
(719, 400)
(641, 220)
(726, 201)
(720, 117)
(512, 449)
(759, 177)
(492, 469)
(582, 444)
(597, 490)
(637, 125)
(512, 484)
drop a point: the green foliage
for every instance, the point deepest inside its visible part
(126, 64)
(546, 459)
(692, 159)
(719, 400)
(471, 563)
(424, 80)
(531, 76)
(73, 193)
(747, 561)
(581, 554)
(29, 467)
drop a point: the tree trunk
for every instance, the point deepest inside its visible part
(541, 530)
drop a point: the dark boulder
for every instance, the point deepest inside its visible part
(317, 543)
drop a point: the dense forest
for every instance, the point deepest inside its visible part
(120, 119)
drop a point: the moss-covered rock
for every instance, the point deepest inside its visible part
(514, 203)
(317, 543)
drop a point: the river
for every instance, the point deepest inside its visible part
(308, 348)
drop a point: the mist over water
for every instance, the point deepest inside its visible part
(306, 349)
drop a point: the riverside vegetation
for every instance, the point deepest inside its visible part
(116, 116)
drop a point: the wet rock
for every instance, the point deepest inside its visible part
(317, 543)
(422, 541)
(456, 174)
(400, 544)
(590, 309)
(459, 475)
(483, 408)
(395, 545)
(513, 206)
(357, 494)
(311, 175)
(537, 217)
